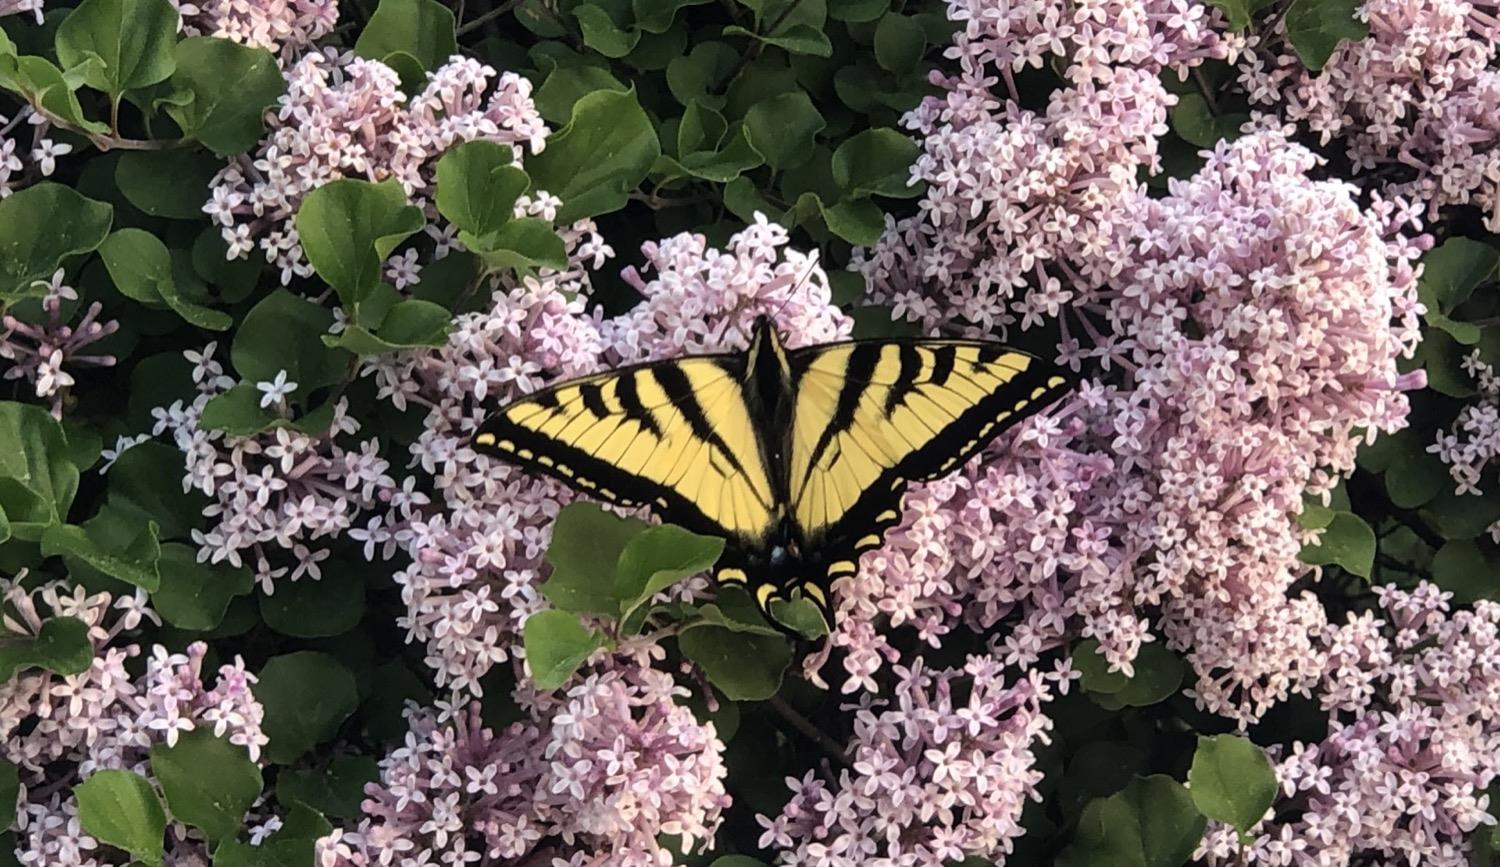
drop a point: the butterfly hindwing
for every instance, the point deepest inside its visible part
(871, 416)
(674, 435)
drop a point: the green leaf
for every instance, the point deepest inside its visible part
(238, 412)
(658, 558)
(139, 487)
(701, 129)
(193, 595)
(794, 39)
(603, 153)
(41, 227)
(1413, 480)
(857, 11)
(477, 186)
(293, 845)
(1316, 27)
(556, 645)
(1462, 516)
(522, 244)
(349, 228)
(61, 646)
(172, 184)
(283, 332)
(208, 782)
(232, 85)
(1200, 125)
(1443, 357)
(136, 563)
(306, 696)
(1152, 822)
(742, 665)
(37, 462)
(1348, 542)
(10, 790)
(132, 41)
(1158, 674)
(899, 43)
(736, 157)
(782, 128)
(655, 16)
(1467, 569)
(1097, 676)
(602, 34)
(1453, 269)
(234, 279)
(800, 616)
(876, 162)
(423, 29)
(1232, 781)
(858, 221)
(336, 790)
(736, 861)
(121, 809)
(1237, 12)
(320, 608)
(586, 546)
(409, 323)
(45, 85)
(565, 85)
(141, 267)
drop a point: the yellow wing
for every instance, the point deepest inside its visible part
(676, 435)
(872, 415)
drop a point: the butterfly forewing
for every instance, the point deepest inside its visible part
(871, 416)
(673, 435)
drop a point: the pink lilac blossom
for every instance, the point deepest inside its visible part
(60, 729)
(477, 560)
(1414, 742)
(18, 7)
(597, 774)
(275, 495)
(278, 26)
(938, 773)
(1249, 324)
(43, 154)
(37, 351)
(1416, 103)
(345, 116)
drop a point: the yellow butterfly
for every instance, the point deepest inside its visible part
(798, 458)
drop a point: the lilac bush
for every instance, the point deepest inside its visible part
(267, 265)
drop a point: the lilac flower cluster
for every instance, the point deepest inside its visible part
(284, 26)
(37, 351)
(1473, 443)
(1413, 744)
(1250, 322)
(477, 560)
(60, 729)
(589, 778)
(281, 491)
(939, 774)
(1416, 103)
(345, 116)
(1017, 200)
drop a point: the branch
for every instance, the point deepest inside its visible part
(801, 723)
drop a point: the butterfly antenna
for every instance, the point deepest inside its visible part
(812, 262)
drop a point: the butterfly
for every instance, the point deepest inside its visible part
(798, 458)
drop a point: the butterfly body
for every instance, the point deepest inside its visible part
(798, 458)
